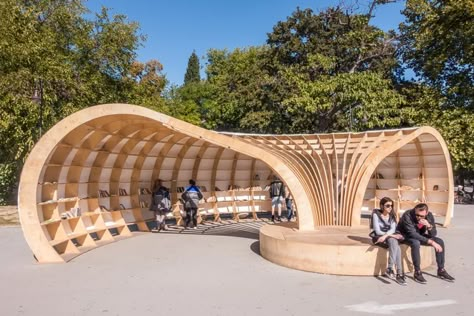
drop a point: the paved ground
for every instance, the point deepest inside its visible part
(219, 273)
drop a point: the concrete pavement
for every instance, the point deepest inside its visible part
(220, 273)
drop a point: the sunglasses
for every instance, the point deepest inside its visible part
(388, 206)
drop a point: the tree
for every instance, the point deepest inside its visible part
(239, 81)
(342, 102)
(182, 102)
(192, 71)
(437, 38)
(49, 49)
(146, 85)
(427, 106)
(437, 43)
(336, 70)
(321, 72)
(346, 37)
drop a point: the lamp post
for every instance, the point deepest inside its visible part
(38, 99)
(350, 117)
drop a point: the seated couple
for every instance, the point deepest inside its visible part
(416, 227)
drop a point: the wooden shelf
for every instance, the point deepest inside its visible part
(64, 200)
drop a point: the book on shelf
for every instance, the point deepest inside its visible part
(104, 193)
(73, 212)
(144, 191)
(103, 208)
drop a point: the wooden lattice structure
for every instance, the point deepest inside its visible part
(86, 182)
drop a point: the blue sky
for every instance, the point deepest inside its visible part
(174, 28)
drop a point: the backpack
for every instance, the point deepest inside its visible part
(161, 200)
(277, 189)
(191, 198)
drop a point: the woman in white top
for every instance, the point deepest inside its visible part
(384, 224)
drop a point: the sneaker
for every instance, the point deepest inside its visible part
(400, 279)
(279, 218)
(444, 275)
(155, 230)
(418, 276)
(195, 227)
(389, 274)
(273, 218)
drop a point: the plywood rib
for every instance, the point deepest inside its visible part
(326, 164)
(233, 169)
(308, 174)
(320, 191)
(179, 158)
(214, 168)
(197, 161)
(303, 186)
(120, 147)
(357, 159)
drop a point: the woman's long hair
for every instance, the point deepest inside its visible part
(156, 185)
(393, 213)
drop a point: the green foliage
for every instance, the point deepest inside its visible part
(348, 101)
(146, 85)
(437, 42)
(193, 70)
(352, 43)
(320, 72)
(240, 83)
(325, 72)
(438, 37)
(7, 182)
(426, 106)
(55, 61)
(183, 102)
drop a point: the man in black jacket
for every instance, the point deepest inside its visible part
(277, 194)
(418, 227)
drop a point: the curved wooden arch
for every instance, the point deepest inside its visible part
(117, 150)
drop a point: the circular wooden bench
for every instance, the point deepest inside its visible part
(332, 250)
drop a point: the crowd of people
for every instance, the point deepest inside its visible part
(415, 228)
(190, 197)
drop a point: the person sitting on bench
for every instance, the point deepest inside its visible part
(418, 227)
(384, 223)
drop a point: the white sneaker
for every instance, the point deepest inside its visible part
(389, 274)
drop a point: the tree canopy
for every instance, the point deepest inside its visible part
(193, 70)
(324, 71)
(437, 40)
(438, 45)
(54, 61)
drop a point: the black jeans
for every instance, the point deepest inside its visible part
(191, 215)
(415, 252)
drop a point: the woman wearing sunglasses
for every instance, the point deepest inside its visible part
(384, 225)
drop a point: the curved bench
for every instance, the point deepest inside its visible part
(332, 250)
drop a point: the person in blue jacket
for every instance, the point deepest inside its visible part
(191, 197)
